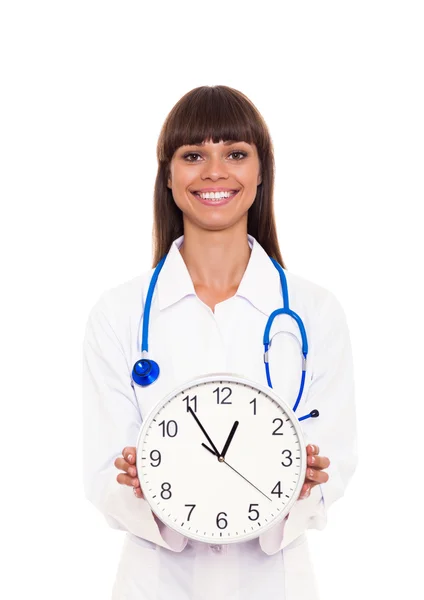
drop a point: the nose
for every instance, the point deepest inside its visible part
(214, 168)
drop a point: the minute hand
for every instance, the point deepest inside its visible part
(248, 481)
(235, 471)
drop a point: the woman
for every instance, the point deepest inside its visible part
(213, 297)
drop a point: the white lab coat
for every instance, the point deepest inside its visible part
(188, 340)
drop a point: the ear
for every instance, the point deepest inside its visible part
(259, 179)
(169, 184)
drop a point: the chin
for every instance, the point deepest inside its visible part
(218, 224)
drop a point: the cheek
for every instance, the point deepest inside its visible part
(180, 203)
(251, 178)
(182, 182)
(179, 189)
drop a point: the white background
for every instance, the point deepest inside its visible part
(85, 88)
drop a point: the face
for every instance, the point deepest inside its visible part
(229, 167)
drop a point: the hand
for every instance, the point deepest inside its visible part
(128, 465)
(314, 471)
(230, 437)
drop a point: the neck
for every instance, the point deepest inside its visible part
(216, 259)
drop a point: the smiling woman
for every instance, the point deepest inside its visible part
(217, 296)
(214, 139)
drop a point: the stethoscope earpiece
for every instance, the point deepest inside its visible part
(145, 371)
(314, 414)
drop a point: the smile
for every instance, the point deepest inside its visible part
(215, 201)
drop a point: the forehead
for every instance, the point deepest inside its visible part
(221, 143)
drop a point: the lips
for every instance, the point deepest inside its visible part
(209, 190)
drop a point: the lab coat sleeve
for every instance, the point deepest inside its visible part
(334, 431)
(112, 421)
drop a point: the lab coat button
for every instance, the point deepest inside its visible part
(216, 548)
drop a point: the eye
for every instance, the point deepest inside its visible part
(243, 154)
(239, 152)
(186, 156)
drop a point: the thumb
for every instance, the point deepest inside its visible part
(129, 453)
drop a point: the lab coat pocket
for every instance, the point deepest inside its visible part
(138, 569)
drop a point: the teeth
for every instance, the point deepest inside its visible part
(215, 195)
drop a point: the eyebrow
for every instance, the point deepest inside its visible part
(226, 143)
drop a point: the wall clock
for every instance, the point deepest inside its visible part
(221, 459)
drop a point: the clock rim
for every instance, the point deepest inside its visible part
(231, 378)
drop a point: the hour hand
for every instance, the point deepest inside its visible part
(210, 450)
(230, 437)
(215, 451)
(221, 456)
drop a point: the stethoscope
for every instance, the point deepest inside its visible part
(146, 371)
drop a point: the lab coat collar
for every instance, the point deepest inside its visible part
(260, 284)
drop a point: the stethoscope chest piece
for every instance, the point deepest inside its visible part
(145, 371)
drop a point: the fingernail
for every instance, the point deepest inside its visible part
(130, 457)
(313, 448)
(312, 459)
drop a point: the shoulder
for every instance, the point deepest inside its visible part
(323, 316)
(316, 300)
(123, 298)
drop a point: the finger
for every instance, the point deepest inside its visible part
(127, 480)
(316, 476)
(137, 492)
(124, 479)
(312, 449)
(307, 488)
(129, 454)
(304, 492)
(123, 465)
(318, 462)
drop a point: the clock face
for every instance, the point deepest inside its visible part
(221, 459)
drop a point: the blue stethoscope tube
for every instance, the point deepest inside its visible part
(146, 370)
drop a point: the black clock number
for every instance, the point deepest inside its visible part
(254, 405)
(253, 510)
(169, 429)
(166, 490)
(156, 459)
(223, 390)
(188, 400)
(276, 431)
(277, 489)
(220, 521)
(289, 458)
(191, 510)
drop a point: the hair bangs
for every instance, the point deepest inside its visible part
(209, 113)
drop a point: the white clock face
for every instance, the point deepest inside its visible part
(221, 459)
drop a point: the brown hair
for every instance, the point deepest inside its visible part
(218, 113)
